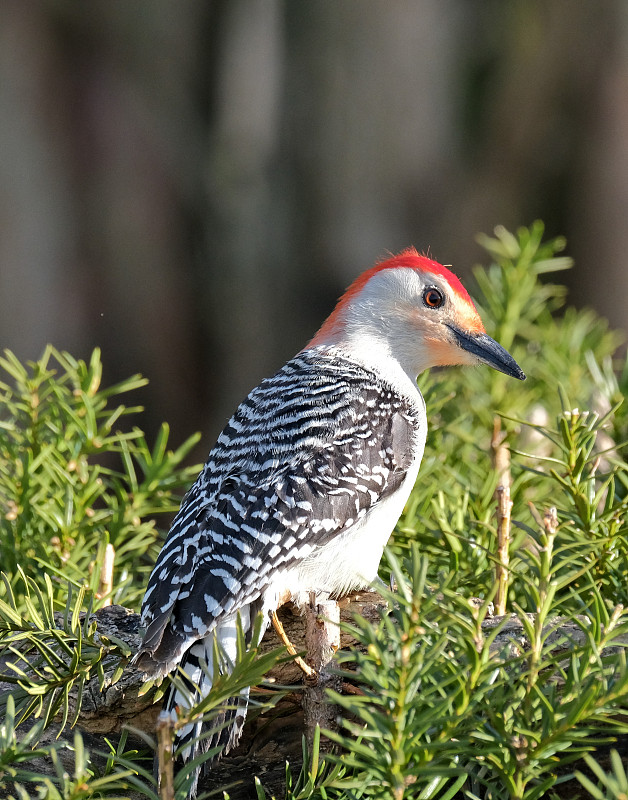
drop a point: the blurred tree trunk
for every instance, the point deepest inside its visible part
(242, 282)
(318, 163)
(600, 203)
(191, 185)
(97, 152)
(37, 248)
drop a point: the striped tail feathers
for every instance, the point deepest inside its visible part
(209, 694)
(200, 736)
(208, 664)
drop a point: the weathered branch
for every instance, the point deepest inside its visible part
(501, 459)
(273, 737)
(322, 638)
(118, 704)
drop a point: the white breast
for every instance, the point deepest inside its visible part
(350, 560)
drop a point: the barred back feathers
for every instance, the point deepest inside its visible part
(305, 457)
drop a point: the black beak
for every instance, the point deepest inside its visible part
(487, 350)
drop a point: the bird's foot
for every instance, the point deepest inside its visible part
(305, 668)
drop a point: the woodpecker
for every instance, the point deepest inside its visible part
(307, 480)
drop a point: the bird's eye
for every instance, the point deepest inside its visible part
(433, 297)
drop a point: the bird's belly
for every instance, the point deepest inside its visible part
(351, 559)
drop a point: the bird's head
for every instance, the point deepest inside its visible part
(414, 310)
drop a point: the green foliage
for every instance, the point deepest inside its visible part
(317, 778)
(451, 512)
(47, 657)
(417, 686)
(74, 477)
(77, 782)
(70, 478)
(449, 707)
(15, 753)
(615, 784)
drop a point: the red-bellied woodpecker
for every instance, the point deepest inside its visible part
(304, 486)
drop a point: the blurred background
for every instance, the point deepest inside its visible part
(191, 184)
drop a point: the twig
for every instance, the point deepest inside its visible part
(105, 586)
(349, 688)
(501, 455)
(504, 507)
(322, 640)
(165, 730)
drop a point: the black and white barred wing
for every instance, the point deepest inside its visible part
(307, 455)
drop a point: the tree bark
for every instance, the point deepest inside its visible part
(322, 638)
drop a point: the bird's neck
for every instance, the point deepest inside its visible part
(375, 354)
